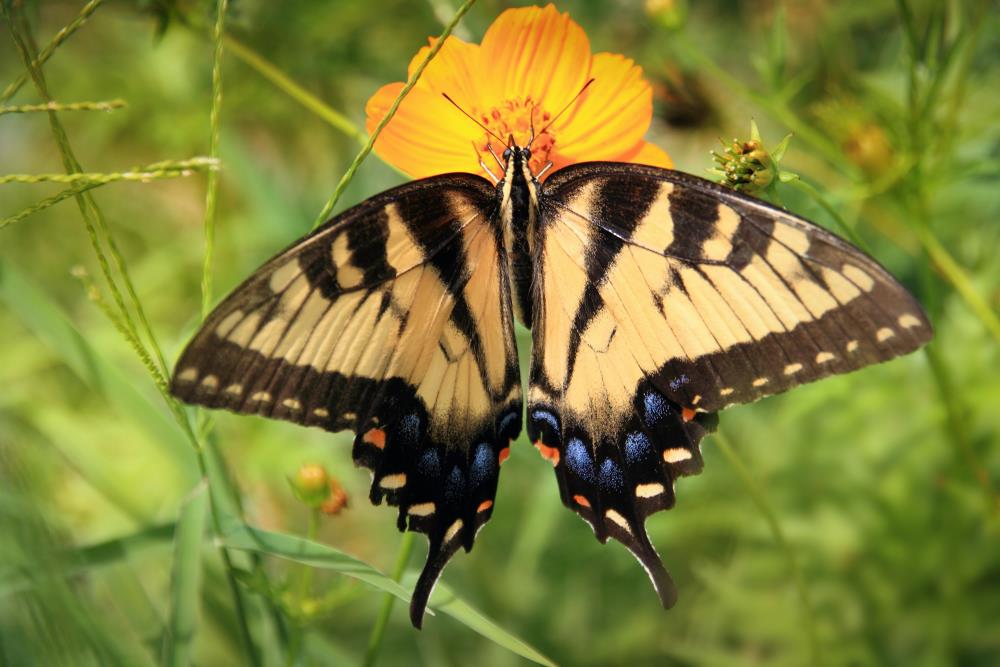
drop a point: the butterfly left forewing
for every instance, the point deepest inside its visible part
(394, 321)
(660, 299)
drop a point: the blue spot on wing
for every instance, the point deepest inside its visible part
(657, 407)
(409, 428)
(637, 447)
(483, 464)
(429, 464)
(454, 486)
(679, 382)
(548, 417)
(507, 420)
(579, 461)
(611, 476)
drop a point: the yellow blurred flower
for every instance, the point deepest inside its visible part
(531, 64)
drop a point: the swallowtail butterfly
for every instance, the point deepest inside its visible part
(654, 298)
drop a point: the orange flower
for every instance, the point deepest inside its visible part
(531, 64)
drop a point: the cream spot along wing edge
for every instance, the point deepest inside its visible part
(662, 298)
(393, 320)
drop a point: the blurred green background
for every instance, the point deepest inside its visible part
(853, 522)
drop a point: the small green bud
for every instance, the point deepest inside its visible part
(311, 484)
(748, 165)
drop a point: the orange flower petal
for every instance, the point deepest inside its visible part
(424, 137)
(534, 52)
(650, 154)
(454, 70)
(611, 117)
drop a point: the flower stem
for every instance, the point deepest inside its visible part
(281, 80)
(378, 631)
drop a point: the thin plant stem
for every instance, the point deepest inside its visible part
(94, 221)
(955, 275)
(212, 189)
(149, 172)
(378, 630)
(412, 81)
(146, 173)
(97, 228)
(68, 106)
(954, 413)
(294, 90)
(760, 500)
(302, 588)
(842, 225)
(65, 33)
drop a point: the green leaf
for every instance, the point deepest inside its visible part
(40, 313)
(299, 550)
(236, 535)
(444, 599)
(185, 587)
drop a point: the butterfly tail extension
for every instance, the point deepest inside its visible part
(443, 490)
(614, 478)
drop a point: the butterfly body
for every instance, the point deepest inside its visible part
(654, 299)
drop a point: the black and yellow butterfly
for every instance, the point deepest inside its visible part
(655, 299)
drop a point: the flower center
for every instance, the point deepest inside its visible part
(516, 117)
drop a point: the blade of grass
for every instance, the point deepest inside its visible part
(48, 320)
(65, 33)
(760, 500)
(412, 81)
(185, 585)
(96, 224)
(18, 578)
(99, 232)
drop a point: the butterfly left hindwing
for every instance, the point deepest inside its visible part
(393, 320)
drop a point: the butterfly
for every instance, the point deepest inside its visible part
(655, 299)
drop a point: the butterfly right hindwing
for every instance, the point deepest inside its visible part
(662, 298)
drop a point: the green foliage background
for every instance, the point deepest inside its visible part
(851, 522)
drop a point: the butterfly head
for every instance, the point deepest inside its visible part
(516, 162)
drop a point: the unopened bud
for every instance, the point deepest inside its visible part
(311, 484)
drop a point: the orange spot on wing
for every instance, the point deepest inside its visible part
(504, 455)
(550, 453)
(485, 505)
(374, 437)
(581, 501)
(688, 414)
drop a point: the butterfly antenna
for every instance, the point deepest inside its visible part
(473, 118)
(564, 110)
